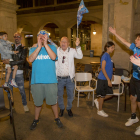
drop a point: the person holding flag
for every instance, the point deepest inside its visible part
(81, 10)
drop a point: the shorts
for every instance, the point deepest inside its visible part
(7, 65)
(103, 89)
(44, 91)
(135, 88)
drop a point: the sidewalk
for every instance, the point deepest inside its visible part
(85, 124)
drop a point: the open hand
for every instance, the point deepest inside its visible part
(45, 38)
(112, 30)
(135, 61)
(39, 42)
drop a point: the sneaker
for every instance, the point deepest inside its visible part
(34, 124)
(5, 84)
(13, 83)
(137, 132)
(102, 113)
(131, 121)
(96, 103)
(26, 109)
(58, 122)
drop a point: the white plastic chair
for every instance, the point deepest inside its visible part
(83, 77)
(117, 92)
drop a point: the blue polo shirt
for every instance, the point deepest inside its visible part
(43, 67)
(136, 52)
(108, 67)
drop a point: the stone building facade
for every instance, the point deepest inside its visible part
(124, 15)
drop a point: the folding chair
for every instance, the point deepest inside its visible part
(84, 77)
(4, 112)
(119, 91)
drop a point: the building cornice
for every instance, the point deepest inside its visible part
(6, 6)
(94, 9)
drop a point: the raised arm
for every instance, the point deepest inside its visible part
(33, 56)
(51, 53)
(78, 52)
(113, 31)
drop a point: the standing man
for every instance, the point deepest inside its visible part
(44, 80)
(135, 80)
(65, 71)
(19, 60)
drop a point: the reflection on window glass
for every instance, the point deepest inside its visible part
(25, 3)
(43, 2)
(64, 1)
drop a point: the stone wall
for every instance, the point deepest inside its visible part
(136, 25)
(120, 16)
(96, 40)
(8, 18)
(64, 19)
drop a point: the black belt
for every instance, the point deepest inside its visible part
(63, 77)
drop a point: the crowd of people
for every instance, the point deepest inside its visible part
(53, 69)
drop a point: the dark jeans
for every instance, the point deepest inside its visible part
(20, 82)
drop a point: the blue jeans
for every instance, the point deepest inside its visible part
(20, 82)
(69, 88)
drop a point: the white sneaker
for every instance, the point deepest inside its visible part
(13, 83)
(137, 132)
(96, 103)
(131, 121)
(5, 84)
(26, 109)
(102, 113)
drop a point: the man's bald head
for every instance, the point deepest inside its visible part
(64, 43)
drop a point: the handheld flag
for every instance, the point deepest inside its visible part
(81, 10)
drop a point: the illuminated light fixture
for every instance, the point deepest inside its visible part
(94, 32)
(28, 36)
(49, 34)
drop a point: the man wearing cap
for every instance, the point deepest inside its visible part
(65, 71)
(44, 80)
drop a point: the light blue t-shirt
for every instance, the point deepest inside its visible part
(108, 67)
(136, 51)
(43, 67)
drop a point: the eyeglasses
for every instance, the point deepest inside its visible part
(16, 36)
(63, 59)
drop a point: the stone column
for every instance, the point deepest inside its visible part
(8, 18)
(33, 3)
(118, 14)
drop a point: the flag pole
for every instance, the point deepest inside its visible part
(77, 28)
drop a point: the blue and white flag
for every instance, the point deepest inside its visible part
(81, 10)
